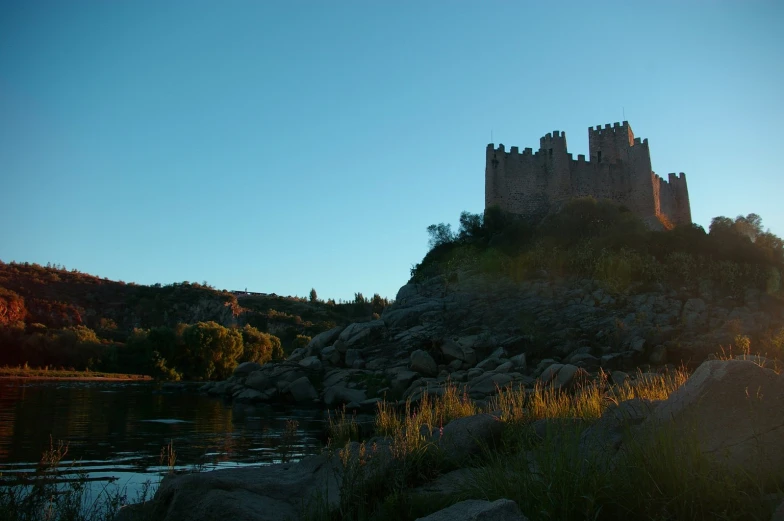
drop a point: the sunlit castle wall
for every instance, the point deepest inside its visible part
(618, 169)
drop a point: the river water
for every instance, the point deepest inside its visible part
(115, 431)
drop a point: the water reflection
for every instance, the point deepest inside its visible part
(115, 430)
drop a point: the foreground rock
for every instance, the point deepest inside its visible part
(477, 510)
(735, 409)
(464, 437)
(272, 493)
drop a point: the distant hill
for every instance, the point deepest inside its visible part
(34, 298)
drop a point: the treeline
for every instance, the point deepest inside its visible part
(607, 242)
(50, 316)
(201, 351)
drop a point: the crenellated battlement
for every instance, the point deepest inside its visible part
(616, 127)
(618, 167)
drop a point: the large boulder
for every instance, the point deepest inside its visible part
(465, 436)
(330, 355)
(297, 355)
(694, 313)
(270, 493)
(479, 510)
(487, 384)
(734, 409)
(246, 368)
(405, 317)
(402, 380)
(423, 363)
(406, 292)
(601, 441)
(336, 377)
(446, 485)
(302, 390)
(352, 355)
(454, 351)
(339, 395)
(359, 333)
(311, 363)
(249, 396)
(259, 380)
(322, 340)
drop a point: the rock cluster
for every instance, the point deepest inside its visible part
(484, 334)
(732, 409)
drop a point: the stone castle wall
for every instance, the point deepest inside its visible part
(618, 168)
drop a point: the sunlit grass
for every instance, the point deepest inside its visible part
(553, 478)
(24, 371)
(341, 428)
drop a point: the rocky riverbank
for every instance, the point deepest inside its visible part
(486, 333)
(713, 418)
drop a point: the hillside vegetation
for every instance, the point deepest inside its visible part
(50, 316)
(606, 242)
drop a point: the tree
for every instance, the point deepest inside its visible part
(378, 303)
(259, 347)
(212, 350)
(313, 295)
(471, 226)
(440, 234)
(750, 226)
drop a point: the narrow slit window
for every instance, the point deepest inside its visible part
(599, 159)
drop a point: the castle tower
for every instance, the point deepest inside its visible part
(618, 169)
(555, 157)
(610, 144)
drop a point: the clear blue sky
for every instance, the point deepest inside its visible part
(281, 146)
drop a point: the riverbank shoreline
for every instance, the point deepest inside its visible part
(18, 373)
(78, 378)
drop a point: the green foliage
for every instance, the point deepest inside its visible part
(440, 234)
(50, 316)
(607, 242)
(259, 347)
(210, 351)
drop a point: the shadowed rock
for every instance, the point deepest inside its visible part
(736, 411)
(478, 510)
(272, 493)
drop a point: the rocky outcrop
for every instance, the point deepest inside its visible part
(359, 333)
(734, 409)
(486, 333)
(423, 363)
(322, 340)
(245, 368)
(464, 437)
(478, 510)
(272, 493)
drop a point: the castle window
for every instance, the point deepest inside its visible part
(599, 159)
(550, 152)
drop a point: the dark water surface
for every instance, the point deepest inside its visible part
(115, 430)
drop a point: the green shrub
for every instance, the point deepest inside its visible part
(605, 241)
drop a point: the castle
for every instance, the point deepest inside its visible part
(619, 169)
